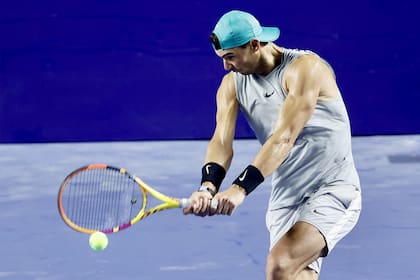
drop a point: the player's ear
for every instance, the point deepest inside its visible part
(255, 44)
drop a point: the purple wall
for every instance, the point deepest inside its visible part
(115, 70)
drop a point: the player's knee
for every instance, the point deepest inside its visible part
(279, 268)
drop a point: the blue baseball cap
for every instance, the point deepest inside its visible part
(236, 28)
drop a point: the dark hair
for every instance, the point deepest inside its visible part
(216, 44)
(215, 41)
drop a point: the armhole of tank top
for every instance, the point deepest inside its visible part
(235, 81)
(286, 56)
(238, 89)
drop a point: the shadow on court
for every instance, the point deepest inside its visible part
(36, 244)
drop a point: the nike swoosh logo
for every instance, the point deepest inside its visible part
(243, 176)
(269, 94)
(208, 169)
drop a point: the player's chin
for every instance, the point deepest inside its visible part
(241, 71)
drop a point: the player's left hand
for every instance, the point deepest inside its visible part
(200, 204)
(228, 200)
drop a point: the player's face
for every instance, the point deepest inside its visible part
(240, 59)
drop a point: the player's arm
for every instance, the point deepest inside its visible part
(219, 152)
(303, 81)
(220, 147)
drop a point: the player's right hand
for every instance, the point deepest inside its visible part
(228, 201)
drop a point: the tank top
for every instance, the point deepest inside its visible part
(322, 153)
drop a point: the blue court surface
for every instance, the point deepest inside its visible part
(36, 244)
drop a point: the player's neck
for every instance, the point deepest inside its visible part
(271, 57)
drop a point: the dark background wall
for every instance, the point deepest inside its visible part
(142, 70)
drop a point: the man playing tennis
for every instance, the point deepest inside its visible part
(292, 102)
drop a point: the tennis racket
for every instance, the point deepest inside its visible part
(99, 197)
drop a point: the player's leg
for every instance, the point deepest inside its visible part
(294, 252)
(310, 231)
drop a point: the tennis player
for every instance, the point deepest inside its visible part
(293, 104)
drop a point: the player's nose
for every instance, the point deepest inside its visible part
(227, 65)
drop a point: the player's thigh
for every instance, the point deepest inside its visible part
(334, 211)
(299, 247)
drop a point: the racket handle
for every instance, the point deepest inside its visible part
(185, 202)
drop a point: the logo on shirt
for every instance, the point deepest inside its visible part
(268, 94)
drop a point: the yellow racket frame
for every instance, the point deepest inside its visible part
(168, 202)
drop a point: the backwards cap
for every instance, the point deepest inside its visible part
(236, 28)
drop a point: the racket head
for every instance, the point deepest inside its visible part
(99, 197)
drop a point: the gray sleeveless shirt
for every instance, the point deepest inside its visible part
(322, 154)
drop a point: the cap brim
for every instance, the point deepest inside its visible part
(269, 34)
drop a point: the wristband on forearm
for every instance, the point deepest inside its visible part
(249, 179)
(214, 173)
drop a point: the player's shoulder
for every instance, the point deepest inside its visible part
(227, 86)
(306, 60)
(308, 63)
(228, 80)
(229, 77)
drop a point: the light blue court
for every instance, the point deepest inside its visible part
(37, 245)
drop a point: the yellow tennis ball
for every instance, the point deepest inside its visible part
(98, 241)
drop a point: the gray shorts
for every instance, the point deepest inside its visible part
(333, 210)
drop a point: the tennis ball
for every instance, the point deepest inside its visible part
(98, 241)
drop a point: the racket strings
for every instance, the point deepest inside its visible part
(101, 199)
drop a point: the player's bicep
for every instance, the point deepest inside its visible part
(220, 147)
(227, 110)
(304, 84)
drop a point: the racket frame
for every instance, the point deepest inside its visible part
(167, 202)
